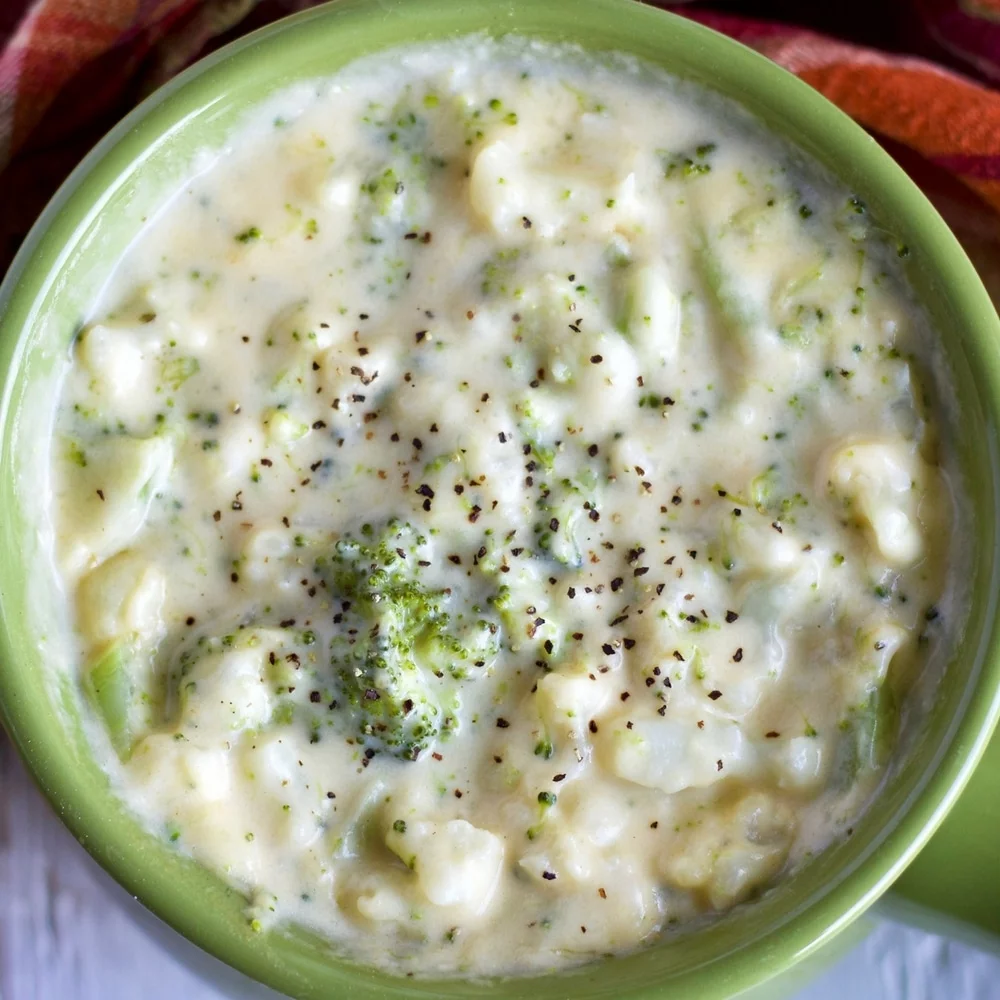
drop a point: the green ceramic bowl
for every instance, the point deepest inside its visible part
(101, 207)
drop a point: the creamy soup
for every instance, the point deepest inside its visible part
(504, 508)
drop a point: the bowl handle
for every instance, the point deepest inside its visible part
(953, 887)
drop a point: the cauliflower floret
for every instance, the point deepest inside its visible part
(123, 596)
(729, 853)
(456, 863)
(122, 366)
(380, 903)
(204, 774)
(882, 481)
(225, 691)
(116, 486)
(652, 312)
(263, 551)
(283, 429)
(520, 196)
(567, 701)
(672, 754)
(800, 762)
(498, 188)
(301, 327)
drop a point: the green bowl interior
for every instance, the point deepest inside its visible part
(69, 256)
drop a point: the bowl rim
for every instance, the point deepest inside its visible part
(38, 263)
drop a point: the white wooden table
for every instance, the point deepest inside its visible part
(65, 933)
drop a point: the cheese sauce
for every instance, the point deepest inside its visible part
(505, 509)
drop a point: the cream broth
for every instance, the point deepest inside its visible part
(504, 509)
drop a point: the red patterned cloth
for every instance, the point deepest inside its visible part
(70, 68)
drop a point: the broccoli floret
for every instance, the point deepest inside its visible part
(401, 644)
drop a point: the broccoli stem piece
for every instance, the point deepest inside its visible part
(111, 686)
(870, 733)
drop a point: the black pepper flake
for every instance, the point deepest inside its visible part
(718, 765)
(559, 777)
(571, 592)
(502, 724)
(420, 335)
(548, 876)
(314, 696)
(418, 444)
(596, 359)
(592, 726)
(554, 524)
(425, 491)
(525, 222)
(678, 655)
(640, 571)
(625, 696)
(675, 500)
(715, 695)
(371, 695)
(502, 437)
(217, 516)
(629, 643)
(235, 577)
(190, 620)
(738, 655)
(731, 616)
(426, 505)
(650, 681)
(737, 512)
(772, 735)
(287, 622)
(608, 649)
(594, 516)
(394, 436)
(456, 559)
(616, 584)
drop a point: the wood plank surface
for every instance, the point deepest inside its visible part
(68, 933)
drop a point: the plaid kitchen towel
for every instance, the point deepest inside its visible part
(70, 68)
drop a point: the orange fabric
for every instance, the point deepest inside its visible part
(72, 67)
(946, 117)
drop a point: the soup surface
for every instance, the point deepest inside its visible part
(503, 508)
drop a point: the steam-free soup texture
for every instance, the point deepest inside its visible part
(504, 510)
